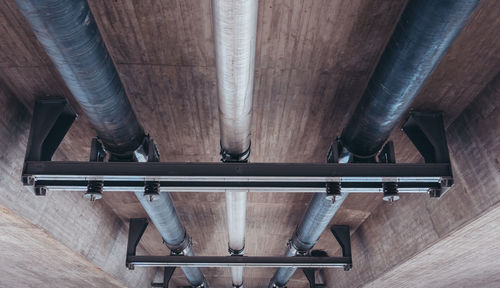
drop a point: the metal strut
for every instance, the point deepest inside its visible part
(138, 226)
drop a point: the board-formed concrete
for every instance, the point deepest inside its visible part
(56, 236)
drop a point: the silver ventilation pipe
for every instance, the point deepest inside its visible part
(423, 34)
(235, 28)
(68, 32)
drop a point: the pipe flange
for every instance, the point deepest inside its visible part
(228, 157)
(293, 245)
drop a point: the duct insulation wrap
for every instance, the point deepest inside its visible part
(71, 38)
(235, 28)
(316, 219)
(423, 34)
(425, 31)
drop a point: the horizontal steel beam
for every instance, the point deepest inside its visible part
(239, 261)
(252, 177)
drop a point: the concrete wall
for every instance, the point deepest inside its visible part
(59, 228)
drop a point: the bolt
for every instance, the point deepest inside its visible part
(94, 190)
(435, 192)
(40, 190)
(390, 192)
(152, 190)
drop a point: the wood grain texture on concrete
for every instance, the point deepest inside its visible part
(313, 61)
(90, 230)
(33, 258)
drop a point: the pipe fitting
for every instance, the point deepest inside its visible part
(233, 252)
(293, 245)
(181, 248)
(229, 157)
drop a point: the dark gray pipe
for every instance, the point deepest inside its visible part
(69, 34)
(424, 32)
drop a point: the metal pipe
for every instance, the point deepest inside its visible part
(68, 32)
(425, 31)
(423, 34)
(235, 30)
(71, 38)
(162, 213)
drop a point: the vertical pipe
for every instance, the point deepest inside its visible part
(235, 29)
(70, 36)
(423, 34)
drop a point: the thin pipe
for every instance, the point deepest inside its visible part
(423, 34)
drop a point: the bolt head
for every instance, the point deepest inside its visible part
(92, 196)
(152, 196)
(391, 198)
(333, 197)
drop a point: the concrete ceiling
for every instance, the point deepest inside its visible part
(313, 61)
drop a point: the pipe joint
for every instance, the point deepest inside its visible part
(234, 252)
(231, 157)
(181, 248)
(294, 244)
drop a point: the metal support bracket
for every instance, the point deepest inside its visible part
(136, 230)
(51, 120)
(310, 273)
(311, 277)
(343, 236)
(167, 275)
(426, 131)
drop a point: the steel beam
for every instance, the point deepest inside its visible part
(252, 177)
(240, 261)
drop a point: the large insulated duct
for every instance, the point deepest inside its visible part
(423, 34)
(69, 34)
(426, 30)
(235, 28)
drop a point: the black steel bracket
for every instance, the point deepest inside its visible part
(52, 118)
(167, 275)
(342, 235)
(136, 229)
(426, 131)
